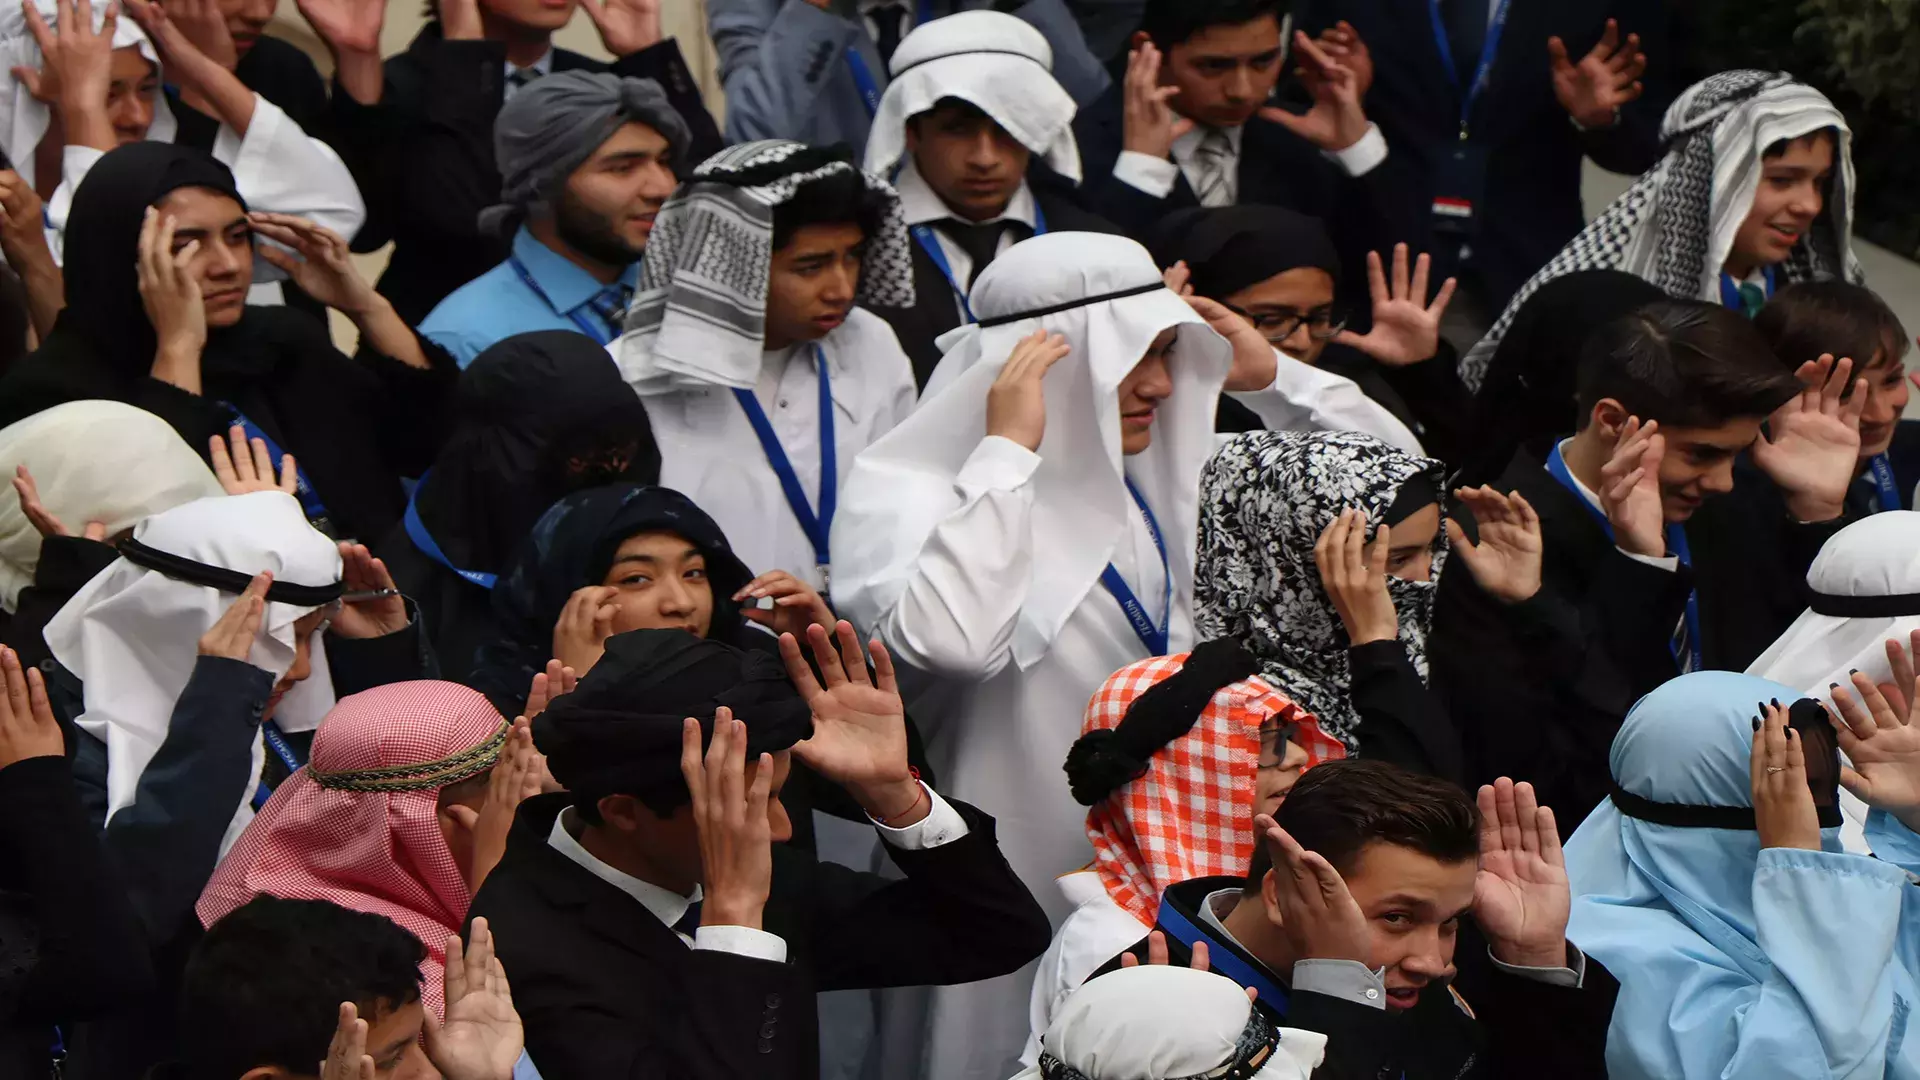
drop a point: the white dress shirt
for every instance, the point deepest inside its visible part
(909, 16)
(922, 206)
(1669, 562)
(1308, 398)
(542, 66)
(1157, 176)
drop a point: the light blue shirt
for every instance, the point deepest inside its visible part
(499, 304)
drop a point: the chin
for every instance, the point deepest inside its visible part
(227, 314)
(1136, 444)
(1876, 446)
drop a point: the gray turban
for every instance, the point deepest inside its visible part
(554, 123)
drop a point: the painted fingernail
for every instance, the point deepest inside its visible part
(1756, 723)
(1833, 686)
(1776, 703)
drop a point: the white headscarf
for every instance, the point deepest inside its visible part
(93, 461)
(1000, 64)
(1871, 565)
(25, 117)
(901, 487)
(1156, 1022)
(131, 635)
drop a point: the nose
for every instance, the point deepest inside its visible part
(660, 184)
(1426, 958)
(675, 598)
(1156, 382)
(981, 155)
(1238, 86)
(1719, 479)
(840, 282)
(226, 262)
(257, 12)
(1808, 200)
(1879, 410)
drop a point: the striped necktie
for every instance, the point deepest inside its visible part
(1213, 161)
(610, 304)
(520, 77)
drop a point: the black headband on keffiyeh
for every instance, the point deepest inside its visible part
(1265, 498)
(1674, 227)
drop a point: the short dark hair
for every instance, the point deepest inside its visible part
(1805, 320)
(1779, 146)
(1684, 363)
(1338, 808)
(836, 198)
(1173, 22)
(264, 986)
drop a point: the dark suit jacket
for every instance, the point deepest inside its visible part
(935, 309)
(1552, 721)
(607, 991)
(424, 156)
(1533, 152)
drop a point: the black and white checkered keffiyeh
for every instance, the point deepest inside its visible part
(699, 314)
(1674, 227)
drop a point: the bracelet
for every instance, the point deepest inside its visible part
(920, 793)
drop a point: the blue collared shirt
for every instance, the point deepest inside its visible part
(498, 304)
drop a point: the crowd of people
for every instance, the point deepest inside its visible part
(1071, 541)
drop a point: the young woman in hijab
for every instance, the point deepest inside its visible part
(1321, 554)
(1175, 758)
(1806, 321)
(534, 418)
(1712, 885)
(1278, 269)
(159, 257)
(1755, 192)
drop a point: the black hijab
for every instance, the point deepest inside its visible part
(571, 547)
(1231, 247)
(535, 417)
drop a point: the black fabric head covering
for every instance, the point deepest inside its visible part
(103, 313)
(570, 548)
(1109, 758)
(1527, 399)
(618, 733)
(1231, 247)
(535, 417)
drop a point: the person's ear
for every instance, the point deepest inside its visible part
(622, 812)
(1270, 898)
(1608, 417)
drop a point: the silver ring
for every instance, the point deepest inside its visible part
(1771, 769)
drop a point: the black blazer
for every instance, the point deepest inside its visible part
(1549, 715)
(1533, 151)
(607, 991)
(935, 309)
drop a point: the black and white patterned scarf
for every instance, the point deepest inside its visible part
(699, 313)
(1674, 227)
(1265, 498)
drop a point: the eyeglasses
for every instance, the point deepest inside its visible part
(1278, 324)
(1273, 744)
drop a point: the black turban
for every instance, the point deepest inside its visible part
(618, 733)
(1228, 248)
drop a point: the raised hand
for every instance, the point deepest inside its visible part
(234, 633)
(1178, 279)
(40, 517)
(730, 815)
(1630, 489)
(1317, 913)
(248, 467)
(557, 680)
(203, 69)
(171, 295)
(23, 230)
(1017, 402)
(202, 23)
(796, 605)
(320, 262)
(76, 71)
(1881, 739)
(626, 26)
(1149, 124)
(1343, 44)
(1157, 956)
(580, 637)
(1254, 359)
(1506, 561)
(1354, 574)
(1336, 120)
(859, 736)
(347, 26)
(481, 1038)
(516, 777)
(376, 616)
(347, 1057)
(1406, 328)
(1608, 77)
(1811, 449)
(1783, 809)
(27, 726)
(1521, 898)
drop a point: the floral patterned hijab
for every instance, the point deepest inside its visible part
(1265, 498)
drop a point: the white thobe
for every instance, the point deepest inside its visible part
(1096, 932)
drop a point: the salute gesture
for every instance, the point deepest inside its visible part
(1317, 913)
(730, 815)
(1336, 120)
(1521, 898)
(1630, 489)
(1149, 124)
(170, 292)
(77, 69)
(1880, 735)
(1506, 561)
(1811, 449)
(859, 736)
(1017, 402)
(1406, 329)
(1608, 77)
(1354, 574)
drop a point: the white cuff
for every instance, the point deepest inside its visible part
(1669, 563)
(997, 464)
(1572, 976)
(1359, 159)
(1155, 176)
(942, 825)
(742, 940)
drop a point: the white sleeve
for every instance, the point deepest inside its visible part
(743, 940)
(280, 169)
(942, 825)
(75, 163)
(963, 598)
(1303, 397)
(1364, 155)
(1155, 176)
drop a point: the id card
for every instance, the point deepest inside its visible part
(1459, 182)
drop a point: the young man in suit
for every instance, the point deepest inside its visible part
(813, 70)
(1497, 106)
(417, 130)
(652, 927)
(972, 104)
(1195, 124)
(1677, 537)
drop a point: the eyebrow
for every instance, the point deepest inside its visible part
(624, 156)
(690, 553)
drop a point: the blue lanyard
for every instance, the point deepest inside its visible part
(1676, 545)
(310, 503)
(1173, 922)
(422, 539)
(1886, 491)
(816, 525)
(602, 333)
(277, 742)
(863, 79)
(1730, 289)
(929, 243)
(1153, 637)
(1496, 25)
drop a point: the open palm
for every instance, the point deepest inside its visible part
(1812, 446)
(1406, 328)
(1506, 561)
(1521, 897)
(859, 727)
(1881, 737)
(481, 1038)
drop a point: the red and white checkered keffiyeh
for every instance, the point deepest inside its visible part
(359, 825)
(1191, 814)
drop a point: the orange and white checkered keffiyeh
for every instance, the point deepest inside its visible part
(1191, 814)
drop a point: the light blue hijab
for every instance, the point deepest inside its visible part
(1734, 961)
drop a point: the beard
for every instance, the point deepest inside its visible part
(591, 234)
